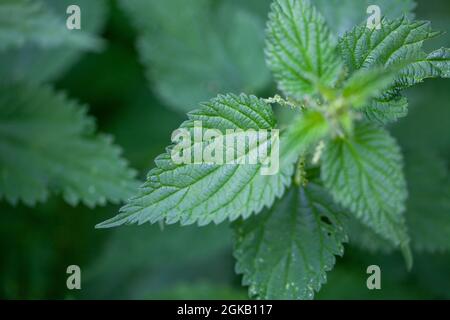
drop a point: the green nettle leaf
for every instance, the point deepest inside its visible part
(55, 49)
(383, 110)
(210, 192)
(30, 22)
(364, 174)
(259, 7)
(48, 145)
(438, 63)
(186, 62)
(285, 251)
(428, 207)
(300, 49)
(397, 43)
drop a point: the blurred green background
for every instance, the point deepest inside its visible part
(155, 65)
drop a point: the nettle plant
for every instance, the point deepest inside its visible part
(336, 159)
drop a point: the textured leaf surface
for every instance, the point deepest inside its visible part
(188, 62)
(285, 251)
(48, 145)
(384, 110)
(398, 42)
(364, 174)
(300, 49)
(35, 63)
(25, 21)
(202, 192)
(366, 84)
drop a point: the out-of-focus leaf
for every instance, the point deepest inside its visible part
(35, 64)
(342, 15)
(259, 7)
(425, 138)
(428, 208)
(143, 119)
(187, 62)
(48, 144)
(437, 12)
(109, 91)
(427, 125)
(31, 22)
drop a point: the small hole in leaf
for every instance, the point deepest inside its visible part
(325, 219)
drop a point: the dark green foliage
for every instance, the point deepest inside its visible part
(342, 175)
